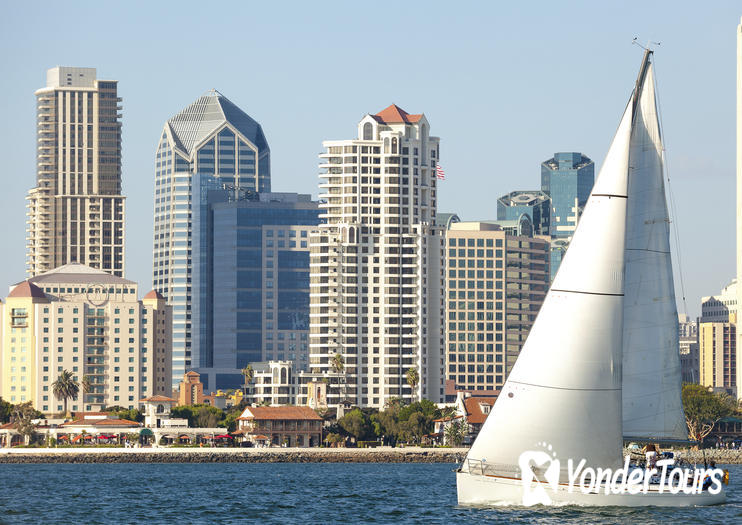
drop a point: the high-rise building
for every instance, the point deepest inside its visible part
(535, 204)
(75, 214)
(495, 287)
(567, 178)
(211, 137)
(90, 323)
(376, 265)
(717, 354)
(717, 308)
(250, 280)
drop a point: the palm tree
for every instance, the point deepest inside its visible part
(65, 387)
(413, 378)
(249, 374)
(337, 363)
(86, 386)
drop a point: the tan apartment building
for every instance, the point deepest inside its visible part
(717, 354)
(496, 283)
(76, 211)
(90, 323)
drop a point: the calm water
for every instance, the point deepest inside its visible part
(286, 493)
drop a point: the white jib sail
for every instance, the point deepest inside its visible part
(652, 405)
(565, 388)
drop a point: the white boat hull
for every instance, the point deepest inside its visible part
(474, 489)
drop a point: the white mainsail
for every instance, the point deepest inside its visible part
(565, 387)
(652, 405)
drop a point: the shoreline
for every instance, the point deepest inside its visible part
(233, 455)
(284, 455)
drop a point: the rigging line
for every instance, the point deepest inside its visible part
(673, 208)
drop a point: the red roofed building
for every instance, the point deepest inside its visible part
(395, 115)
(475, 410)
(293, 426)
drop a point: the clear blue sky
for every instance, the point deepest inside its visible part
(504, 84)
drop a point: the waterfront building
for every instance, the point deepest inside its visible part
(75, 213)
(718, 308)
(717, 346)
(90, 323)
(376, 264)
(250, 280)
(535, 204)
(496, 283)
(473, 411)
(190, 389)
(567, 178)
(290, 426)
(210, 137)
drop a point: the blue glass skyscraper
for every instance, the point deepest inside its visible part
(250, 280)
(210, 137)
(535, 204)
(568, 179)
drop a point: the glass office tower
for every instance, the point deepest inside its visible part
(568, 179)
(210, 137)
(250, 280)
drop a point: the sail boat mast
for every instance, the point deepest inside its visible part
(640, 81)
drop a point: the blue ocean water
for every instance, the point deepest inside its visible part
(287, 493)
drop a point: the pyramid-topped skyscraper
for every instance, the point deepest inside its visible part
(210, 137)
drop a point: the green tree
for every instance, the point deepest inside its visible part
(86, 386)
(248, 373)
(357, 424)
(200, 416)
(703, 409)
(6, 410)
(65, 387)
(22, 416)
(337, 363)
(413, 378)
(455, 432)
(130, 414)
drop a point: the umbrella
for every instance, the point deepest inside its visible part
(223, 436)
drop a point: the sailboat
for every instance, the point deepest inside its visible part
(601, 362)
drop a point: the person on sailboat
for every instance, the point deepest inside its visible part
(651, 455)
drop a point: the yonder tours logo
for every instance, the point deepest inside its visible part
(540, 473)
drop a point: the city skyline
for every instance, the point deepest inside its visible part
(473, 83)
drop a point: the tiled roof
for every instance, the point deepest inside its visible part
(154, 294)
(78, 273)
(288, 412)
(474, 412)
(101, 423)
(192, 373)
(27, 289)
(396, 115)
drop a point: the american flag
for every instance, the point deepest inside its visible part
(439, 172)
